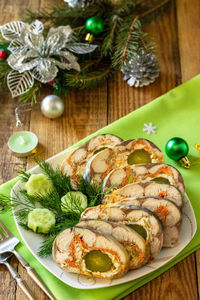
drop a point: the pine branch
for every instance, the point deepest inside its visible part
(154, 8)
(107, 46)
(129, 40)
(31, 95)
(4, 70)
(90, 78)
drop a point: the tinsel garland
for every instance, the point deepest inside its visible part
(39, 55)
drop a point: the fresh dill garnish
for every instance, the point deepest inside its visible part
(73, 205)
(50, 200)
(46, 248)
(62, 222)
(60, 181)
(22, 215)
(24, 176)
(91, 190)
(23, 203)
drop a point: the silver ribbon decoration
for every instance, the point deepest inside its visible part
(35, 57)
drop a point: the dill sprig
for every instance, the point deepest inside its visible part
(62, 222)
(60, 181)
(46, 248)
(24, 176)
(91, 190)
(50, 200)
(23, 203)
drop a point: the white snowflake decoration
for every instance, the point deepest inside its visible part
(149, 128)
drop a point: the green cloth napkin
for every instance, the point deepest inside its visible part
(176, 113)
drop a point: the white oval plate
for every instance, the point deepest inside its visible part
(33, 242)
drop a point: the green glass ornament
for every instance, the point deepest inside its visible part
(94, 25)
(177, 149)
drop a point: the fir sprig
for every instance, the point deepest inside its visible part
(121, 38)
(31, 95)
(4, 70)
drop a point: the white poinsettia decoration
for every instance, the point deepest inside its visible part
(35, 57)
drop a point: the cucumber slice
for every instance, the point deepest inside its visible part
(74, 202)
(41, 220)
(39, 184)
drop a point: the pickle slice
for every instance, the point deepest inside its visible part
(161, 180)
(139, 156)
(96, 261)
(139, 229)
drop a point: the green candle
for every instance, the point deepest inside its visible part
(23, 143)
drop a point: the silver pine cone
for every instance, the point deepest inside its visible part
(140, 70)
(80, 3)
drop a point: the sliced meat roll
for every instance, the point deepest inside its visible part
(134, 243)
(150, 188)
(74, 165)
(142, 220)
(145, 172)
(168, 213)
(89, 252)
(128, 152)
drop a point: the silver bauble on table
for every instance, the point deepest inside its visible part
(52, 106)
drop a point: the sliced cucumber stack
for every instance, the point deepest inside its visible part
(41, 220)
(39, 184)
(74, 202)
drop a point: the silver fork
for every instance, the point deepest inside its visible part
(8, 244)
(15, 275)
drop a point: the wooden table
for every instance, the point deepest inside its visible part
(86, 111)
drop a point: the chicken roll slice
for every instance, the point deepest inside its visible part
(134, 243)
(161, 173)
(74, 165)
(151, 188)
(168, 213)
(128, 152)
(89, 252)
(140, 219)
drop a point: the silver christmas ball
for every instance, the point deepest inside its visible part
(52, 106)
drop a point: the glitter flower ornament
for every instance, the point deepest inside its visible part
(35, 57)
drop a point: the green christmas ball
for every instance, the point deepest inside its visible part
(176, 148)
(94, 25)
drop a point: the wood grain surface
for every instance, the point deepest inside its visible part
(177, 36)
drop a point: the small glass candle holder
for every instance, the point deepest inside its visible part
(23, 143)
